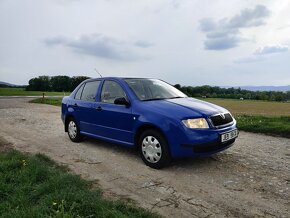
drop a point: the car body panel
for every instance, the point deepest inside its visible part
(119, 126)
(121, 123)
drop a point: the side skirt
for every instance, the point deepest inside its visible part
(128, 144)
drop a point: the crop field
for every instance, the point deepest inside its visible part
(271, 118)
(22, 92)
(253, 107)
(236, 107)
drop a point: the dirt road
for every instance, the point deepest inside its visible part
(251, 179)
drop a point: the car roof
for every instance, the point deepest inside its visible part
(117, 78)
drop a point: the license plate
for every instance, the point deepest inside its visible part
(229, 135)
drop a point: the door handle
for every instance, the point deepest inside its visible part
(99, 108)
(75, 105)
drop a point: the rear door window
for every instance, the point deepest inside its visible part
(79, 92)
(90, 91)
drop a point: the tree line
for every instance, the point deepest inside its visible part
(68, 84)
(232, 93)
(55, 83)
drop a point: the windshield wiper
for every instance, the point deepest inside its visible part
(175, 97)
(153, 99)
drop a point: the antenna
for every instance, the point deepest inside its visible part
(98, 73)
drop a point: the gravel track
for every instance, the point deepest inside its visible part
(251, 179)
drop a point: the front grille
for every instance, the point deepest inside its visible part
(221, 119)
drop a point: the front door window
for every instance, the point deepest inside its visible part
(111, 91)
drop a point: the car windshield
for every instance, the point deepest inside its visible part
(153, 89)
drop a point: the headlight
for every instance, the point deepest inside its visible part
(199, 123)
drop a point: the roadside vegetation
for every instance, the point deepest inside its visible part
(35, 186)
(276, 126)
(271, 118)
(23, 92)
(51, 101)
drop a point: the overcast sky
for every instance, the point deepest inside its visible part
(191, 42)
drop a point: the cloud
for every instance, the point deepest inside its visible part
(225, 33)
(250, 17)
(221, 43)
(143, 44)
(261, 53)
(250, 59)
(54, 41)
(95, 45)
(266, 50)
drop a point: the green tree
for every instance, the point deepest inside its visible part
(60, 83)
(41, 83)
(76, 80)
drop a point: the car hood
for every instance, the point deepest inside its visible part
(184, 107)
(198, 106)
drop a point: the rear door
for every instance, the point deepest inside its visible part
(114, 121)
(84, 106)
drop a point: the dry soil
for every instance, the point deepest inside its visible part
(251, 179)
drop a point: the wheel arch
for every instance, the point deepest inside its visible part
(145, 127)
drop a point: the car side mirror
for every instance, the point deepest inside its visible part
(122, 101)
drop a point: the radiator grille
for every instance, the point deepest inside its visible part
(221, 119)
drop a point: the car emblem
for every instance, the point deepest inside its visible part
(223, 116)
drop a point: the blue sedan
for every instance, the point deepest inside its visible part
(158, 119)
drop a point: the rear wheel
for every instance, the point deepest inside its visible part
(73, 131)
(154, 149)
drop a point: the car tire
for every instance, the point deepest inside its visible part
(154, 149)
(73, 131)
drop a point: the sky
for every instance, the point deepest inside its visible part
(190, 42)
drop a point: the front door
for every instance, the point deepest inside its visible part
(114, 121)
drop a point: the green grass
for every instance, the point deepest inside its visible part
(277, 126)
(34, 186)
(22, 92)
(51, 101)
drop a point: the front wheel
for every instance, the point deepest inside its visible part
(73, 131)
(154, 149)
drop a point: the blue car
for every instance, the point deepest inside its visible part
(158, 119)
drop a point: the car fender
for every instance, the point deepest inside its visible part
(166, 125)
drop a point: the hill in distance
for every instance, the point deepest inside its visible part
(262, 88)
(5, 84)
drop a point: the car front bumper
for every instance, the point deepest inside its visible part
(192, 143)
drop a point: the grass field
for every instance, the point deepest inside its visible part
(22, 92)
(34, 186)
(253, 107)
(236, 107)
(271, 118)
